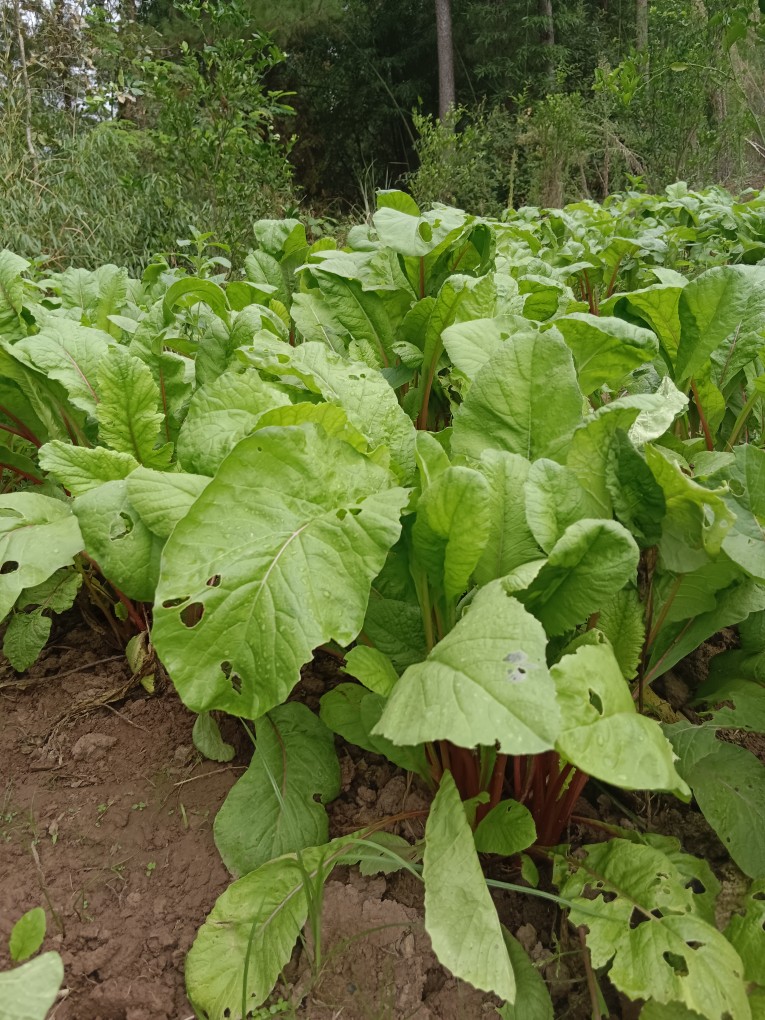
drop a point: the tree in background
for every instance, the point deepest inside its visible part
(127, 121)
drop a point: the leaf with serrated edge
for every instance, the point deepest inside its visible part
(745, 933)
(128, 414)
(80, 468)
(460, 917)
(307, 525)
(272, 809)
(485, 682)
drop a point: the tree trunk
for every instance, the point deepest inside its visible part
(641, 25)
(446, 91)
(547, 35)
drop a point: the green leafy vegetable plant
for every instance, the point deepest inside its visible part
(510, 511)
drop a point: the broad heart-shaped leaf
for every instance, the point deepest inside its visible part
(741, 701)
(69, 354)
(606, 350)
(363, 394)
(128, 415)
(590, 562)
(162, 498)
(510, 541)
(277, 555)
(660, 948)
(254, 924)
(114, 535)
(602, 733)
(353, 712)
(25, 638)
(276, 807)
(38, 535)
(745, 932)
(452, 528)
(722, 302)
(532, 1000)
(590, 450)
(29, 991)
(508, 406)
(220, 414)
(460, 917)
(471, 344)
(27, 935)
(554, 500)
(507, 829)
(81, 468)
(486, 682)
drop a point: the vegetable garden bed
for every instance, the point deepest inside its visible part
(509, 477)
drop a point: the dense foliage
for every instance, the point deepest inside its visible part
(511, 471)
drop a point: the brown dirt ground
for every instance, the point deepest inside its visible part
(106, 814)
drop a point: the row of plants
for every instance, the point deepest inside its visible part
(511, 473)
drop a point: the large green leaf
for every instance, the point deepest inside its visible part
(276, 807)
(82, 468)
(254, 926)
(659, 946)
(602, 733)
(589, 563)
(658, 306)
(129, 419)
(162, 498)
(606, 350)
(37, 536)
(510, 541)
(554, 500)
(728, 783)
(293, 528)
(452, 528)
(69, 354)
(508, 405)
(29, 991)
(722, 302)
(363, 394)
(114, 535)
(486, 682)
(460, 917)
(353, 712)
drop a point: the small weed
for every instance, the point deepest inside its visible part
(140, 806)
(150, 868)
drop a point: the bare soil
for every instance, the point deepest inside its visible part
(106, 814)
